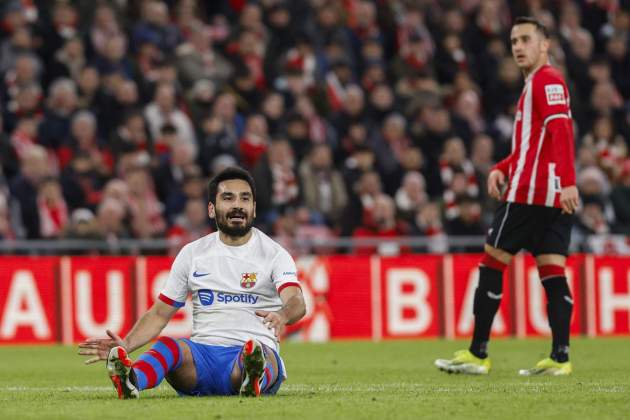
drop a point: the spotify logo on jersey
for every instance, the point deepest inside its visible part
(206, 297)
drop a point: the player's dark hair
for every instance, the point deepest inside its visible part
(229, 173)
(521, 20)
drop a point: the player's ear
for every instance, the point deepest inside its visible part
(254, 214)
(211, 212)
(545, 44)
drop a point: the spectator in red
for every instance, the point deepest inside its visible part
(24, 136)
(381, 226)
(27, 104)
(52, 209)
(83, 141)
(277, 183)
(429, 224)
(248, 50)
(255, 140)
(164, 110)
(363, 194)
(610, 148)
(458, 175)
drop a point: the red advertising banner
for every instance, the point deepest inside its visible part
(52, 299)
(460, 279)
(97, 294)
(350, 296)
(531, 302)
(607, 295)
(28, 300)
(410, 296)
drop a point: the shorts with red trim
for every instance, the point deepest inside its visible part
(538, 229)
(214, 365)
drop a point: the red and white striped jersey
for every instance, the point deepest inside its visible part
(541, 162)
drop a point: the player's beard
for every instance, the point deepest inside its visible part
(235, 231)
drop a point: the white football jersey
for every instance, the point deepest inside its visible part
(229, 283)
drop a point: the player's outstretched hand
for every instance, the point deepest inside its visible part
(496, 180)
(569, 199)
(275, 321)
(99, 347)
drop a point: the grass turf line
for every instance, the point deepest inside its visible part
(340, 380)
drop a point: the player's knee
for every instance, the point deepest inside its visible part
(549, 271)
(492, 262)
(498, 254)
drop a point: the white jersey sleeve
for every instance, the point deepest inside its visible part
(177, 288)
(284, 271)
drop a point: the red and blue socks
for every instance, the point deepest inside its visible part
(153, 365)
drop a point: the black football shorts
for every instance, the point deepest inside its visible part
(538, 229)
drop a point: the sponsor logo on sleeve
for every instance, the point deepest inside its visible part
(555, 94)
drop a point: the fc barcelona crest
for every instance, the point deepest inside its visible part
(248, 280)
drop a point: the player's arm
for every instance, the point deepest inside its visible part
(551, 100)
(146, 329)
(498, 176)
(284, 277)
(561, 132)
(149, 325)
(293, 309)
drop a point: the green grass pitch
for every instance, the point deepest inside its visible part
(341, 380)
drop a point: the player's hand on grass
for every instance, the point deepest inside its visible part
(275, 321)
(496, 180)
(569, 199)
(100, 347)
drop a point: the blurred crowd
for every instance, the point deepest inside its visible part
(357, 118)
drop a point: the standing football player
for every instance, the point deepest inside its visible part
(244, 291)
(537, 206)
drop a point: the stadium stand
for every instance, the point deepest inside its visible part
(357, 118)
